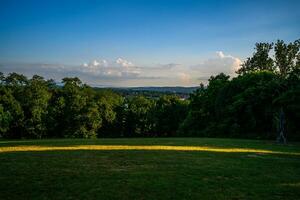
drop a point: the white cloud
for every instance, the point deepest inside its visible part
(166, 66)
(184, 78)
(122, 72)
(221, 63)
(220, 54)
(124, 63)
(118, 68)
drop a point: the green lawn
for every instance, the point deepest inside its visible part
(55, 173)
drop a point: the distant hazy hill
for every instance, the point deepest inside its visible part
(166, 89)
(177, 90)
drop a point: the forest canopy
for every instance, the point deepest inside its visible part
(245, 106)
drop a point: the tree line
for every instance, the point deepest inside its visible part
(245, 106)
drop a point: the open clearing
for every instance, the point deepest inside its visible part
(165, 168)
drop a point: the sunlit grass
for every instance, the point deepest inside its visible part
(149, 168)
(141, 147)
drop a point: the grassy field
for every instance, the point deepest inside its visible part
(166, 168)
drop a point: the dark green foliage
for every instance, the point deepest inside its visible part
(204, 109)
(289, 99)
(169, 113)
(35, 105)
(286, 56)
(260, 60)
(246, 106)
(80, 115)
(12, 114)
(138, 116)
(5, 120)
(37, 108)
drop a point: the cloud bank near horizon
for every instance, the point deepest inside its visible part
(125, 73)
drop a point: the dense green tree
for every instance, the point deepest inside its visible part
(169, 112)
(12, 115)
(55, 118)
(241, 107)
(203, 111)
(139, 116)
(16, 83)
(286, 56)
(5, 120)
(251, 107)
(15, 79)
(80, 117)
(260, 60)
(111, 107)
(288, 100)
(35, 106)
(245, 106)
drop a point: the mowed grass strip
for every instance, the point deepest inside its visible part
(144, 147)
(149, 168)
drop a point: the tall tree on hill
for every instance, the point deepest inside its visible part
(12, 99)
(16, 83)
(74, 101)
(260, 60)
(287, 56)
(11, 114)
(35, 106)
(80, 115)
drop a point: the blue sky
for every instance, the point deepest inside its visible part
(139, 43)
